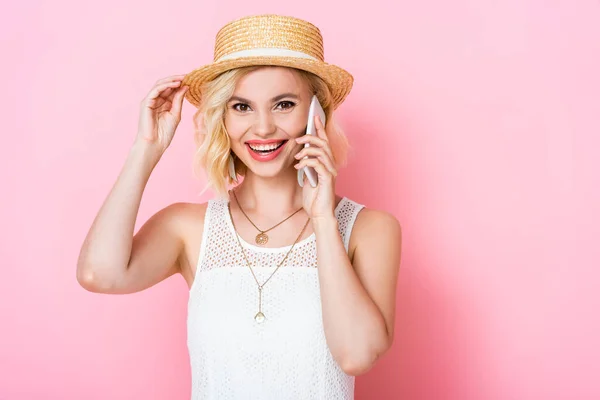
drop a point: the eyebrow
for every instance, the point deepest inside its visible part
(274, 99)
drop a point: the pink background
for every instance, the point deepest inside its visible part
(475, 122)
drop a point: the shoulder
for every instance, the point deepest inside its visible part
(368, 218)
(183, 220)
(375, 229)
(180, 215)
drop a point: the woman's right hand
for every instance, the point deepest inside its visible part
(160, 112)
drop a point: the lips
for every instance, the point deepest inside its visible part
(265, 150)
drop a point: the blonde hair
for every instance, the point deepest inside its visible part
(213, 143)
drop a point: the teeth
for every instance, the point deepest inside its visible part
(264, 147)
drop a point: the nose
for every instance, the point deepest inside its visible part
(264, 124)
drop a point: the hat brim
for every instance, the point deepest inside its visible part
(339, 80)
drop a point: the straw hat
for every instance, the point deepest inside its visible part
(270, 40)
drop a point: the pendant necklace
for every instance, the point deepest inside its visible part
(262, 238)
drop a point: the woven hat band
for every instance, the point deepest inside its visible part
(266, 52)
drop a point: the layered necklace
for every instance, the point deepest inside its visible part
(260, 316)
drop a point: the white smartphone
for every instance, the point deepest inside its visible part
(314, 110)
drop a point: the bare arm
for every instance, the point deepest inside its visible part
(358, 288)
(359, 297)
(111, 259)
(107, 263)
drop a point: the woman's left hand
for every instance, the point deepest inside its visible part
(318, 201)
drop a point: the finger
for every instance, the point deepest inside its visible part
(171, 78)
(160, 88)
(153, 98)
(178, 101)
(305, 179)
(313, 140)
(310, 151)
(168, 93)
(316, 142)
(319, 166)
(324, 173)
(328, 163)
(320, 128)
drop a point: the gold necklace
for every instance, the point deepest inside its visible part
(260, 316)
(262, 238)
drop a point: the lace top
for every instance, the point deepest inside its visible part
(286, 356)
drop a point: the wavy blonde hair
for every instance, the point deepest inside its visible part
(213, 143)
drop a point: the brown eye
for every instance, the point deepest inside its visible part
(286, 105)
(241, 107)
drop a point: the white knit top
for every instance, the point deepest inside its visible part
(285, 357)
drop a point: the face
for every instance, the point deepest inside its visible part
(268, 110)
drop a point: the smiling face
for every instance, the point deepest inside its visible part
(268, 110)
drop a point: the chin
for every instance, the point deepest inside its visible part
(265, 171)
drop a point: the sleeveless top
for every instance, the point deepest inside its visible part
(285, 357)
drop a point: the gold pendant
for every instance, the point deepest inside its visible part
(262, 238)
(259, 317)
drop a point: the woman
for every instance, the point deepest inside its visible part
(292, 287)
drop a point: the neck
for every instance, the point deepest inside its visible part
(277, 195)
